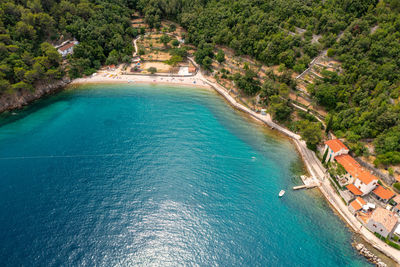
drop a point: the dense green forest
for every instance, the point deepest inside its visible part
(363, 35)
(364, 100)
(260, 28)
(27, 27)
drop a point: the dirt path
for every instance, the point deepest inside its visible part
(135, 45)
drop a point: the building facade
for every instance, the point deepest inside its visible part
(363, 180)
(366, 182)
(334, 148)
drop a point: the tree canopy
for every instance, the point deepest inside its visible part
(29, 28)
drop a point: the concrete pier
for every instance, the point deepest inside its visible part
(309, 182)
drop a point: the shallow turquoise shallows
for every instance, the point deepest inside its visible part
(121, 175)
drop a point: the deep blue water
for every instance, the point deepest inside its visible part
(156, 176)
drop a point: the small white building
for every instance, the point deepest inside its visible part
(365, 182)
(383, 222)
(335, 148)
(66, 48)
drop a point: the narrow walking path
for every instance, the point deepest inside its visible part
(136, 47)
(304, 109)
(312, 63)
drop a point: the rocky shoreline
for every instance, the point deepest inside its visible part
(369, 255)
(23, 98)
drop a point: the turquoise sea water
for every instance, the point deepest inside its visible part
(156, 176)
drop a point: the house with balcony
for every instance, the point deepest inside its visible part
(365, 181)
(361, 182)
(66, 48)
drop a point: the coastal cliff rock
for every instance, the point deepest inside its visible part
(22, 98)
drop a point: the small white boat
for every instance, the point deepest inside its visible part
(281, 193)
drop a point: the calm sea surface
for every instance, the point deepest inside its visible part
(121, 175)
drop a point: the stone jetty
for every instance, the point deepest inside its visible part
(369, 255)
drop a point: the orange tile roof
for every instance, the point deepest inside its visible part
(383, 193)
(336, 145)
(361, 200)
(352, 188)
(387, 218)
(355, 169)
(358, 203)
(66, 46)
(366, 177)
(398, 178)
(349, 163)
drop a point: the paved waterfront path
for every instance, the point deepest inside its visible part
(314, 167)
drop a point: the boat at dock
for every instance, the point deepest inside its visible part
(281, 193)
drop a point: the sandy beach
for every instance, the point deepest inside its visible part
(117, 77)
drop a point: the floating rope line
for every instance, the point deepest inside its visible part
(104, 155)
(62, 156)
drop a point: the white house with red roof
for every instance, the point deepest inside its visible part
(365, 181)
(362, 181)
(66, 48)
(335, 148)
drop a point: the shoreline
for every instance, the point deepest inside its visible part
(310, 160)
(9, 103)
(195, 80)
